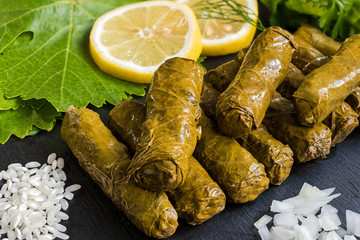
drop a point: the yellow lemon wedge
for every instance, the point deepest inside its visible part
(130, 42)
(219, 36)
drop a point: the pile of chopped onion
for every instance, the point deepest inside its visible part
(308, 216)
(31, 200)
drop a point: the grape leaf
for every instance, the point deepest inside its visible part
(24, 120)
(44, 53)
(10, 103)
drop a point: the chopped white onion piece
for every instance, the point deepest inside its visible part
(281, 233)
(328, 209)
(262, 221)
(277, 206)
(302, 233)
(312, 224)
(328, 191)
(286, 219)
(353, 223)
(349, 237)
(327, 223)
(308, 216)
(333, 236)
(310, 192)
(264, 233)
(341, 232)
(312, 206)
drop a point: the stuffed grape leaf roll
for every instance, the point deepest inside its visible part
(125, 121)
(237, 172)
(198, 198)
(307, 143)
(208, 99)
(293, 78)
(329, 85)
(354, 100)
(307, 57)
(224, 74)
(276, 157)
(342, 121)
(170, 129)
(242, 106)
(325, 44)
(106, 160)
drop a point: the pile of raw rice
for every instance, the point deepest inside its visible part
(32, 198)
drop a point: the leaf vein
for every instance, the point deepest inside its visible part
(67, 53)
(98, 77)
(33, 10)
(37, 50)
(86, 12)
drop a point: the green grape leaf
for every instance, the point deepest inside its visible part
(10, 103)
(24, 120)
(44, 53)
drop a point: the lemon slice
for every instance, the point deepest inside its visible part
(221, 37)
(131, 42)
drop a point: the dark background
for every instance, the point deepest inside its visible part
(94, 217)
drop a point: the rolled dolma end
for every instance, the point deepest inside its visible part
(307, 143)
(293, 78)
(325, 44)
(199, 198)
(123, 123)
(306, 54)
(329, 85)
(242, 106)
(151, 212)
(106, 161)
(170, 130)
(276, 157)
(93, 144)
(342, 121)
(354, 100)
(237, 172)
(221, 77)
(208, 99)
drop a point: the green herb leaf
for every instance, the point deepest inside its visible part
(24, 120)
(337, 18)
(200, 60)
(227, 10)
(44, 53)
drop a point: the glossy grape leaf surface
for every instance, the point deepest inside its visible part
(44, 53)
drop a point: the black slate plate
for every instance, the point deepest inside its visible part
(94, 217)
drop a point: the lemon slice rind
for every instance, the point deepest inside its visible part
(129, 70)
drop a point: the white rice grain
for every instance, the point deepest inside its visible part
(68, 195)
(51, 158)
(73, 188)
(32, 165)
(31, 200)
(62, 215)
(59, 227)
(64, 204)
(61, 163)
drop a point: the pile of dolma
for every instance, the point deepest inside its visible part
(242, 106)
(196, 145)
(106, 160)
(170, 128)
(198, 198)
